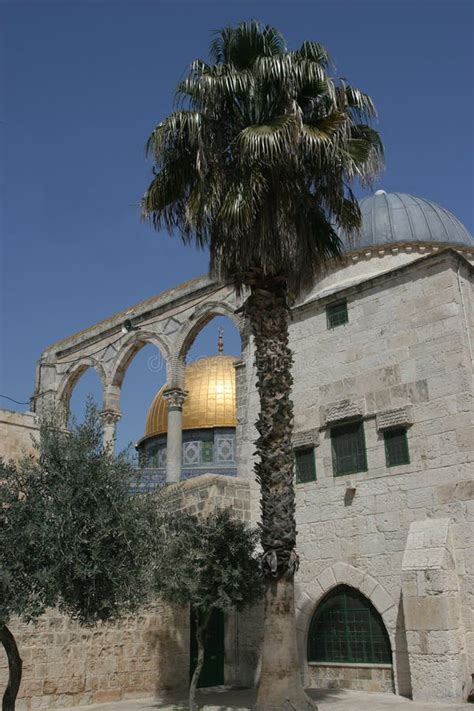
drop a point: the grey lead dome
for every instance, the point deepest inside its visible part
(391, 218)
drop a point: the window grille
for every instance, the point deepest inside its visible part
(346, 628)
(207, 452)
(396, 447)
(336, 314)
(305, 465)
(348, 449)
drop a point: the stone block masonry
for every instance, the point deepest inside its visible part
(432, 610)
(404, 351)
(362, 677)
(66, 665)
(18, 430)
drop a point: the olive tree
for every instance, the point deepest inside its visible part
(208, 563)
(71, 534)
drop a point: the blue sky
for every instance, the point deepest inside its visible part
(83, 84)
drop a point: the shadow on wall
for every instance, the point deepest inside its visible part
(401, 659)
(168, 637)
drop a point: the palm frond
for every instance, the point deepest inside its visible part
(215, 85)
(269, 142)
(179, 127)
(325, 128)
(241, 45)
(315, 52)
(242, 201)
(168, 189)
(258, 161)
(359, 105)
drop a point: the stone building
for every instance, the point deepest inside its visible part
(383, 444)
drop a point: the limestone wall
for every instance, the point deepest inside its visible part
(432, 609)
(144, 655)
(363, 677)
(16, 432)
(66, 665)
(405, 345)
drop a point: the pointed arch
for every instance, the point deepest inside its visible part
(130, 346)
(309, 596)
(344, 574)
(200, 318)
(191, 328)
(347, 629)
(72, 375)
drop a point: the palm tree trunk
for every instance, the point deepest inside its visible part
(14, 669)
(201, 625)
(280, 685)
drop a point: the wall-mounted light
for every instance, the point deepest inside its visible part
(127, 327)
(349, 493)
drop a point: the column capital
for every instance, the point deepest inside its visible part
(175, 397)
(110, 417)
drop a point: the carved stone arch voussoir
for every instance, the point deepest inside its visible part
(130, 346)
(309, 596)
(190, 329)
(72, 375)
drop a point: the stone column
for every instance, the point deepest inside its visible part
(109, 423)
(175, 398)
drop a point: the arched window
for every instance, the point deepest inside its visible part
(347, 629)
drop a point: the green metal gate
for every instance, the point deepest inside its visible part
(212, 673)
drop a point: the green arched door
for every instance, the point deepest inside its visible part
(212, 673)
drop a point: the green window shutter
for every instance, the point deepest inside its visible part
(348, 449)
(347, 629)
(336, 314)
(305, 465)
(396, 447)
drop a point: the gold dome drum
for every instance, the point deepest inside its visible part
(210, 402)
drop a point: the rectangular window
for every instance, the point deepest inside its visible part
(396, 447)
(348, 449)
(305, 465)
(336, 314)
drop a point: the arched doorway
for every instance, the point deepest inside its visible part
(348, 644)
(212, 673)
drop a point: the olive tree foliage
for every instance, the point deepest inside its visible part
(208, 563)
(71, 534)
(26, 581)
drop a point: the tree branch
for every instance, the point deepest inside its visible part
(15, 666)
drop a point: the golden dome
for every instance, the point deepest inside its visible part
(210, 401)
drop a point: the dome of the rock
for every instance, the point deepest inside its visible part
(210, 400)
(208, 421)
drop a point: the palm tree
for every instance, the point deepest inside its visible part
(256, 164)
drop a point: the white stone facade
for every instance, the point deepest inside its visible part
(406, 351)
(403, 358)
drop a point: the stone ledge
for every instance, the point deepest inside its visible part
(344, 410)
(359, 665)
(305, 438)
